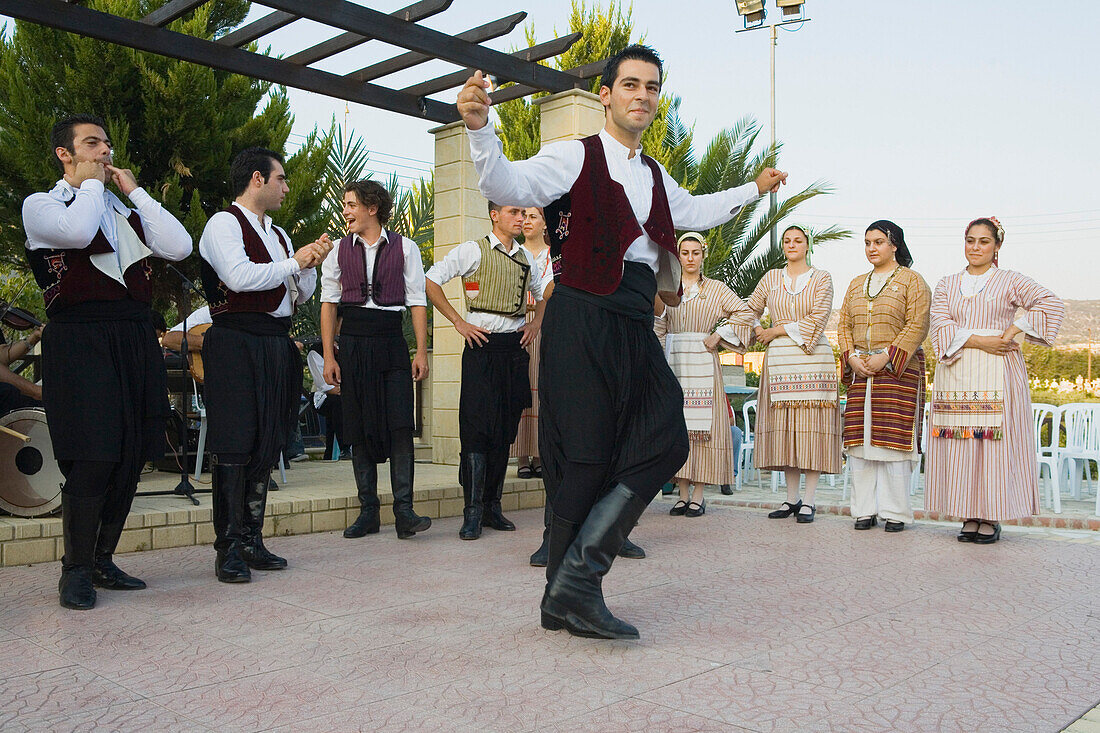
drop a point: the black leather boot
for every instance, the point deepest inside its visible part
(228, 488)
(253, 551)
(494, 489)
(366, 481)
(631, 551)
(105, 574)
(539, 558)
(473, 475)
(574, 596)
(560, 536)
(79, 528)
(405, 520)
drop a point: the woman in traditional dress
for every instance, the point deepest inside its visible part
(883, 321)
(710, 317)
(797, 421)
(981, 454)
(526, 447)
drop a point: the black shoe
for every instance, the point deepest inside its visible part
(228, 487)
(80, 522)
(574, 596)
(366, 485)
(678, 508)
(406, 521)
(988, 539)
(965, 536)
(231, 568)
(75, 589)
(892, 526)
(472, 470)
(540, 558)
(253, 552)
(105, 574)
(495, 519)
(806, 517)
(496, 469)
(258, 557)
(726, 489)
(525, 472)
(560, 536)
(782, 513)
(631, 551)
(866, 522)
(698, 510)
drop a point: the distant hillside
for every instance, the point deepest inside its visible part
(1081, 315)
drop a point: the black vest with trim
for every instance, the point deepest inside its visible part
(224, 300)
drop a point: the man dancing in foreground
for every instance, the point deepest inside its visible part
(611, 423)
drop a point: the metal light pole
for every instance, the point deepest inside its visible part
(754, 14)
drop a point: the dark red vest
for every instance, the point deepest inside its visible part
(224, 300)
(386, 285)
(591, 227)
(68, 277)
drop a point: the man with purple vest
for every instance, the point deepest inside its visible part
(103, 375)
(253, 281)
(611, 425)
(372, 275)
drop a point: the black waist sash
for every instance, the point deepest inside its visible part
(370, 322)
(258, 324)
(91, 311)
(633, 298)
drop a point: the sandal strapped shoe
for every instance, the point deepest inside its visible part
(695, 509)
(892, 526)
(988, 539)
(525, 472)
(866, 522)
(678, 509)
(783, 513)
(806, 517)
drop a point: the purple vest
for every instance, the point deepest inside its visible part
(386, 285)
(68, 277)
(591, 227)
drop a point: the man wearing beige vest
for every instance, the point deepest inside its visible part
(497, 273)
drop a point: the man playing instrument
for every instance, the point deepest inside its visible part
(104, 377)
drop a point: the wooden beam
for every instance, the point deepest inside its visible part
(344, 41)
(172, 10)
(486, 32)
(134, 34)
(358, 19)
(582, 73)
(538, 52)
(246, 34)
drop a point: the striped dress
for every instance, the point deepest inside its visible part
(989, 479)
(710, 460)
(806, 437)
(527, 439)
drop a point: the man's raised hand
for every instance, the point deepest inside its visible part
(87, 170)
(770, 180)
(473, 102)
(123, 178)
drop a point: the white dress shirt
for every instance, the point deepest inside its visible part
(969, 286)
(463, 261)
(52, 225)
(331, 288)
(222, 245)
(198, 317)
(551, 173)
(321, 388)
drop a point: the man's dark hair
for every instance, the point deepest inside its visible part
(634, 52)
(372, 193)
(247, 162)
(63, 134)
(493, 206)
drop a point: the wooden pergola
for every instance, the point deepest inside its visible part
(352, 26)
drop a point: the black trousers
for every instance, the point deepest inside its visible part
(496, 389)
(611, 410)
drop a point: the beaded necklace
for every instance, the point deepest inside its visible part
(867, 288)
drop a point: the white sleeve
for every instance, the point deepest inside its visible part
(414, 275)
(727, 334)
(961, 336)
(52, 225)
(535, 284)
(307, 283)
(1023, 325)
(222, 245)
(461, 261)
(537, 181)
(331, 289)
(707, 210)
(164, 234)
(795, 333)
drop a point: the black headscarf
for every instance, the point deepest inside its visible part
(897, 238)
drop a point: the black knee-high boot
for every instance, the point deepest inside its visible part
(406, 521)
(80, 528)
(116, 507)
(539, 557)
(253, 551)
(228, 481)
(366, 481)
(574, 594)
(560, 537)
(472, 474)
(494, 490)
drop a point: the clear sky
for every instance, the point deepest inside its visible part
(928, 113)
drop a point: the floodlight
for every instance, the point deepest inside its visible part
(791, 7)
(752, 10)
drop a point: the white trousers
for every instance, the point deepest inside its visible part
(882, 488)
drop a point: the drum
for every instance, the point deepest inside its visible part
(30, 480)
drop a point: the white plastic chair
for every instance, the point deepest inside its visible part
(746, 456)
(1082, 422)
(1044, 453)
(915, 479)
(200, 408)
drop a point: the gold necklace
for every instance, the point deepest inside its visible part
(867, 288)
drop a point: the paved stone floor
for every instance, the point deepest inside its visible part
(746, 623)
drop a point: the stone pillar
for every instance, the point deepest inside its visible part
(570, 115)
(460, 215)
